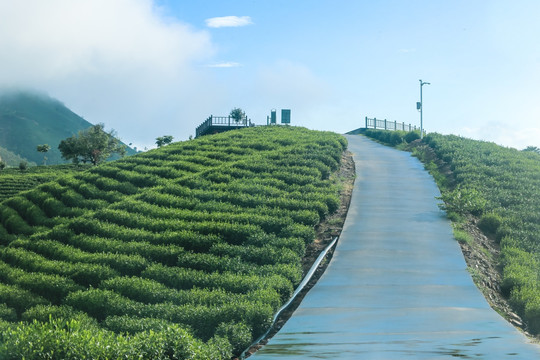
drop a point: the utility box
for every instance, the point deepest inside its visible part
(285, 116)
(418, 105)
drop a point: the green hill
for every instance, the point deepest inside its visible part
(188, 249)
(12, 159)
(28, 119)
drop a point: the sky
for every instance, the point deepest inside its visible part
(148, 68)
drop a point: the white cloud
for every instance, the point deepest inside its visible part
(119, 62)
(291, 84)
(228, 21)
(225, 65)
(505, 134)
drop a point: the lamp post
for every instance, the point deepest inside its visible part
(422, 83)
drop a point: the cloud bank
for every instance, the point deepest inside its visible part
(122, 62)
(228, 21)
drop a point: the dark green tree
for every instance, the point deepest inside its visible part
(238, 115)
(164, 140)
(2, 165)
(91, 145)
(44, 149)
(532, 149)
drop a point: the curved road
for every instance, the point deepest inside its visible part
(397, 286)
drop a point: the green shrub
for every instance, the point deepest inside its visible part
(44, 313)
(84, 274)
(532, 312)
(238, 335)
(490, 223)
(53, 207)
(13, 222)
(72, 340)
(19, 299)
(520, 269)
(462, 236)
(411, 136)
(7, 313)
(463, 201)
(132, 325)
(100, 304)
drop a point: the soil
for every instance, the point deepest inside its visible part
(482, 257)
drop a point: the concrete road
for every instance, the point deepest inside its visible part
(397, 286)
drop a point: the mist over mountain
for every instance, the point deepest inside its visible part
(29, 119)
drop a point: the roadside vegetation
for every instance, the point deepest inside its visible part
(183, 252)
(498, 190)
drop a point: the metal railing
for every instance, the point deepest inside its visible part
(384, 124)
(221, 121)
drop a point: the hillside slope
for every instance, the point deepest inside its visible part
(205, 235)
(28, 119)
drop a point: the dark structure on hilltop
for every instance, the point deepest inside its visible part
(217, 124)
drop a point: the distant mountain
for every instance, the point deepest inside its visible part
(12, 159)
(29, 119)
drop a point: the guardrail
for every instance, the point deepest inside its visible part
(221, 121)
(388, 125)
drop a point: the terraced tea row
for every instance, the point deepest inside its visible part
(205, 235)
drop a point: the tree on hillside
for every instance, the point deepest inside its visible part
(44, 149)
(237, 114)
(91, 145)
(2, 165)
(532, 149)
(164, 140)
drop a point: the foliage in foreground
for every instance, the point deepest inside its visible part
(189, 248)
(75, 339)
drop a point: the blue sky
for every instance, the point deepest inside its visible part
(149, 68)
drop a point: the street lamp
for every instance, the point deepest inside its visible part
(419, 106)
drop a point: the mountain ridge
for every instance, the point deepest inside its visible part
(29, 118)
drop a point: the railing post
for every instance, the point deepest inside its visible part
(375, 123)
(366, 122)
(385, 124)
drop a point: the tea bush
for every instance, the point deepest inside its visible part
(201, 240)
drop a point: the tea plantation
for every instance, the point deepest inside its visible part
(183, 252)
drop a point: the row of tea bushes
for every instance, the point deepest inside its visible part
(205, 235)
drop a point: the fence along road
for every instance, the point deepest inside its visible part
(397, 286)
